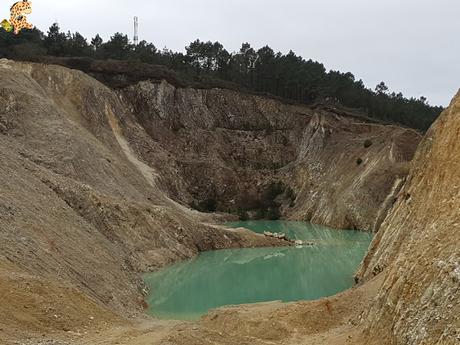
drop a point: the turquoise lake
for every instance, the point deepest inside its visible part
(187, 290)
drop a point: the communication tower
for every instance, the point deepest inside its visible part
(136, 31)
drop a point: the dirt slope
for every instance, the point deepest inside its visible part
(418, 246)
(77, 208)
(94, 183)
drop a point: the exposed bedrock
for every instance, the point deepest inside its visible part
(255, 156)
(417, 248)
(96, 184)
(77, 206)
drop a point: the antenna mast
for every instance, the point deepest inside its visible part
(136, 31)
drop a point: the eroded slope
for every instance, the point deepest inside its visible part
(231, 149)
(418, 246)
(94, 184)
(76, 207)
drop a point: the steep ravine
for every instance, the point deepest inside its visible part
(234, 150)
(77, 212)
(409, 283)
(95, 186)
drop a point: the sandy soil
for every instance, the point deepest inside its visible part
(335, 320)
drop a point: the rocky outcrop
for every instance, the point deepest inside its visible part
(417, 248)
(95, 184)
(232, 148)
(217, 148)
(77, 206)
(348, 172)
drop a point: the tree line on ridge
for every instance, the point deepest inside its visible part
(288, 76)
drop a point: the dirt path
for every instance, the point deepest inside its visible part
(332, 321)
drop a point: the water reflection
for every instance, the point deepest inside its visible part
(189, 289)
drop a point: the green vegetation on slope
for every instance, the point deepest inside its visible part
(266, 205)
(284, 75)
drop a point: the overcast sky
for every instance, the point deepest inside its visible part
(412, 45)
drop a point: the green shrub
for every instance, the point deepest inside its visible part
(194, 205)
(273, 213)
(242, 214)
(273, 190)
(260, 214)
(208, 205)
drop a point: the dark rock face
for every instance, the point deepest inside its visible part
(246, 152)
(254, 156)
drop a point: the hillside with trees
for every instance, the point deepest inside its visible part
(288, 76)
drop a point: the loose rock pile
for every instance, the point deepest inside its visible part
(282, 236)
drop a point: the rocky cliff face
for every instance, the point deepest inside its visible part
(244, 153)
(94, 183)
(417, 248)
(77, 206)
(347, 172)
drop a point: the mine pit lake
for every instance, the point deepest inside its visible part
(187, 290)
